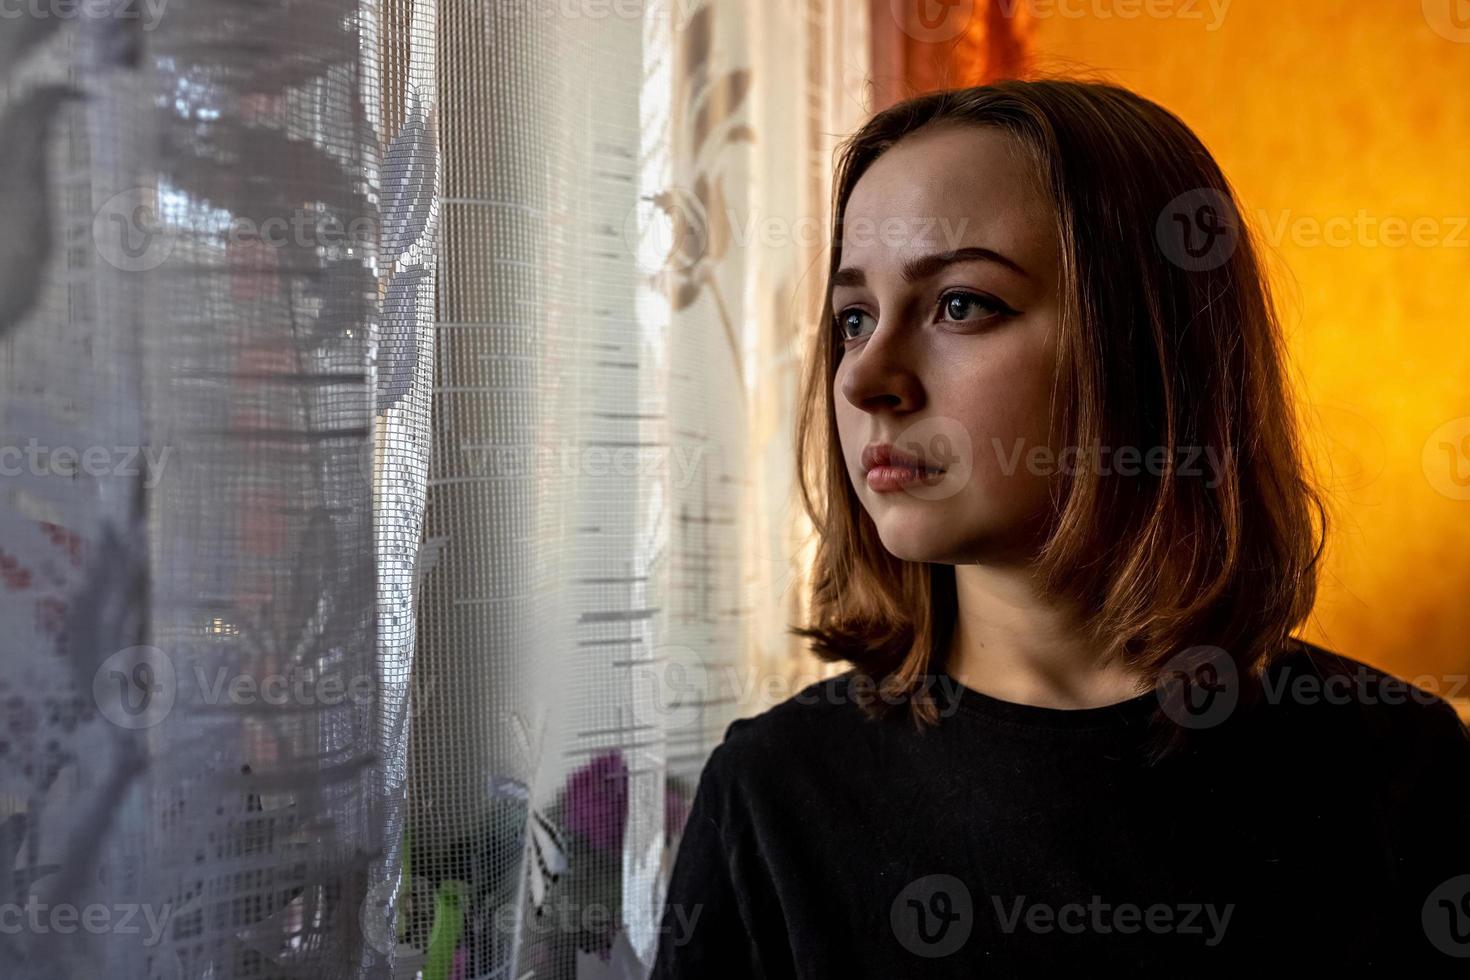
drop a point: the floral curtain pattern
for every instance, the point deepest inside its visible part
(617, 553)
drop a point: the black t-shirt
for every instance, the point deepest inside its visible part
(1326, 824)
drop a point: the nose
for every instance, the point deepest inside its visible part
(880, 374)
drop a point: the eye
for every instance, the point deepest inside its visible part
(964, 306)
(850, 323)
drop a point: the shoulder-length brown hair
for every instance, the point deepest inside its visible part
(1168, 338)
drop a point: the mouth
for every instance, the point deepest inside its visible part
(888, 468)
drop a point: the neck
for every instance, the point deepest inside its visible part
(1010, 643)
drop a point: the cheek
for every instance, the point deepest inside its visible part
(990, 394)
(851, 431)
(1004, 403)
(1004, 385)
(998, 402)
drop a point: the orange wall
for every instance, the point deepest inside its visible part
(1341, 125)
(1360, 112)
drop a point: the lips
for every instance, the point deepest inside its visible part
(886, 454)
(889, 468)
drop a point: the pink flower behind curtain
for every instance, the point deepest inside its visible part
(597, 801)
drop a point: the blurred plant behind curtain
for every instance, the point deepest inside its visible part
(211, 209)
(634, 219)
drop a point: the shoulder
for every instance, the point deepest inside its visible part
(809, 713)
(1357, 704)
(800, 738)
(1352, 734)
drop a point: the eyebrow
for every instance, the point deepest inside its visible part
(927, 265)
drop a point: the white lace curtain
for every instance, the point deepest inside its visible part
(289, 287)
(217, 268)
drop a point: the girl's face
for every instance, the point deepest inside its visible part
(946, 314)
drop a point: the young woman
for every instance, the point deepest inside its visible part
(1066, 533)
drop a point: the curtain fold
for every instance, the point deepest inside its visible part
(301, 683)
(406, 125)
(208, 598)
(634, 213)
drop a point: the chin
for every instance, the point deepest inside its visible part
(959, 530)
(920, 531)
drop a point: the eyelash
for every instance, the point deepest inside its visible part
(998, 309)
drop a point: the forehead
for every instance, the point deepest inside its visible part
(943, 188)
